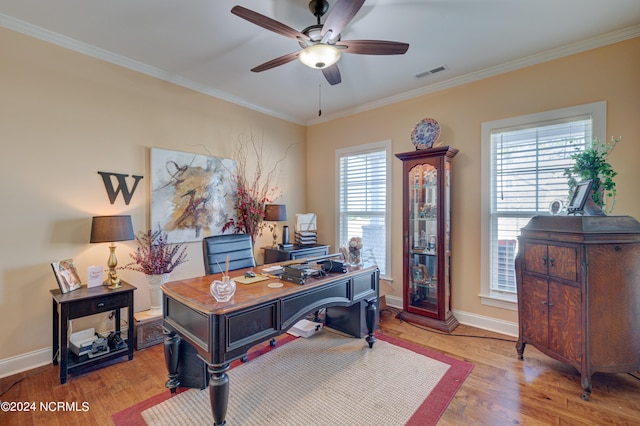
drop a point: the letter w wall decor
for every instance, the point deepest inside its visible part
(122, 186)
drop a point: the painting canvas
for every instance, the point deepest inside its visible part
(192, 195)
(66, 275)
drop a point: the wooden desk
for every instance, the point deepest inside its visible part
(223, 332)
(81, 303)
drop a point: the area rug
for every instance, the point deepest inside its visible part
(326, 379)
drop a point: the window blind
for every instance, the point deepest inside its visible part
(527, 174)
(363, 201)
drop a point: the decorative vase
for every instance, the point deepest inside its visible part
(223, 290)
(355, 259)
(155, 293)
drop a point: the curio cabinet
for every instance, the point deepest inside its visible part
(427, 237)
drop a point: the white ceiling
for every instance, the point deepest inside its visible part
(201, 45)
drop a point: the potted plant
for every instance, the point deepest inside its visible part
(591, 164)
(156, 258)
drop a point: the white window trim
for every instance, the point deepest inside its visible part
(357, 149)
(598, 112)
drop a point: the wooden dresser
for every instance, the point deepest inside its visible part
(579, 292)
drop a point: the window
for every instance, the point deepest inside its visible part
(526, 157)
(363, 199)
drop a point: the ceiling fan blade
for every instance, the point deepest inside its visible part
(332, 74)
(276, 62)
(268, 23)
(373, 47)
(340, 15)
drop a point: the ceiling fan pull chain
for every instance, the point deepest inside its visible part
(319, 99)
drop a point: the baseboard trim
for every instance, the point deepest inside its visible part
(467, 318)
(487, 323)
(24, 362)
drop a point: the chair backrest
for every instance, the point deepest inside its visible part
(216, 248)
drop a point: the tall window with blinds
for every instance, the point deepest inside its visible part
(363, 200)
(527, 175)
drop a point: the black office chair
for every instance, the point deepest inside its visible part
(216, 248)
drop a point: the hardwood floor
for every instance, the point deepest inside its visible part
(501, 390)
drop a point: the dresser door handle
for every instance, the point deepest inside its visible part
(544, 260)
(551, 260)
(101, 305)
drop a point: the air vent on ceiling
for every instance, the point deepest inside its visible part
(432, 71)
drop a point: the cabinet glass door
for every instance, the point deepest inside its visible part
(423, 237)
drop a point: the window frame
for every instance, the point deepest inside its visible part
(596, 110)
(385, 146)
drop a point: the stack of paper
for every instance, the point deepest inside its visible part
(306, 238)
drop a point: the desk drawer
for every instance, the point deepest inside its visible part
(98, 304)
(365, 286)
(251, 325)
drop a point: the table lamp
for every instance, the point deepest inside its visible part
(109, 229)
(277, 213)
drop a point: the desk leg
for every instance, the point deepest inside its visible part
(171, 354)
(219, 392)
(371, 321)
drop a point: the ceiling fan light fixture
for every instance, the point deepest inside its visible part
(319, 56)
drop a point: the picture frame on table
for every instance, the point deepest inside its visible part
(66, 275)
(94, 276)
(581, 202)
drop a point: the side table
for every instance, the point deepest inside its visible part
(81, 303)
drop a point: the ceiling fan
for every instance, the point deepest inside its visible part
(321, 44)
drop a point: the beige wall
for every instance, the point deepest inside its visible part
(64, 117)
(610, 73)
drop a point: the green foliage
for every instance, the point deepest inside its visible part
(591, 164)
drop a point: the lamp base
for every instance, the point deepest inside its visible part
(275, 235)
(114, 280)
(112, 262)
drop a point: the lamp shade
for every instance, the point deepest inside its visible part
(108, 229)
(275, 212)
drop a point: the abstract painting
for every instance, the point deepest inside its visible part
(192, 195)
